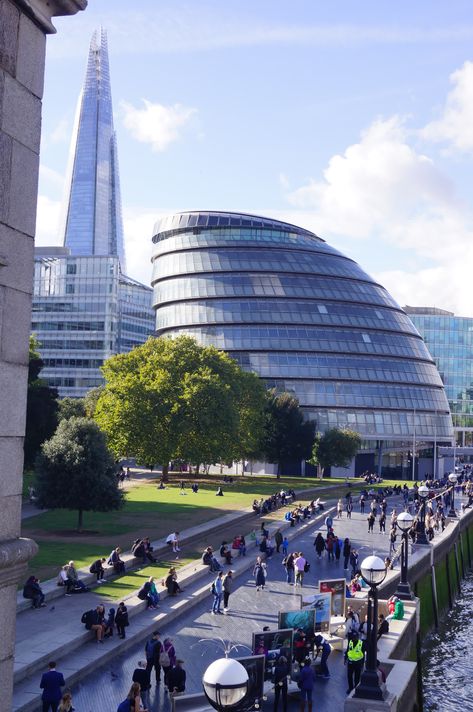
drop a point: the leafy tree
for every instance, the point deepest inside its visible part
(41, 407)
(76, 471)
(335, 448)
(90, 401)
(71, 408)
(288, 437)
(171, 398)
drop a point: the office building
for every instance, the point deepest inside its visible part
(449, 339)
(85, 308)
(308, 320)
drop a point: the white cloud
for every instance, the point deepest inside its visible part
(455, 126)
(156, 124)
(382, 190)
(47, 221)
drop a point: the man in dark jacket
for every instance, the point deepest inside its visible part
(32, 590)
(177, 678)
(281, 671)
(153, 650)
(142, 676)
(383, 626)
(51, 683)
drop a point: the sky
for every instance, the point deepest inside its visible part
(354, 120)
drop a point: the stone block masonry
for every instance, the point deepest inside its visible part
(24, 25)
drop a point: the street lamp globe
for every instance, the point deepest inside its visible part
(404, 521)
(373, 570)
(423, 491)
(225, 683)
(452, 478)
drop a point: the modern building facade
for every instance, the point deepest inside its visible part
(449, 339)
(93, 215)
(308, 320)
(85, 309)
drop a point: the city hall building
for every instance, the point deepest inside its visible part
(308, 320)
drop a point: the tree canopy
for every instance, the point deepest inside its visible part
(76, 471)
(174, 399)
(41, 406)
(288, 437)
(71, 408)
(335, 448)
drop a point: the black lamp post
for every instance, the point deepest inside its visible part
(452, 478)
(373, 572)
(225, 684)
(404, 522)
(420, 529)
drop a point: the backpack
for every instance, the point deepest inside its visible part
(306, 567)
(212, 588)
(87, 618)
(164, 659)
(124, 706)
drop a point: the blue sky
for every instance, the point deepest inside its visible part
(352, 119)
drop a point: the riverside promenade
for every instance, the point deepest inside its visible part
(249, 612)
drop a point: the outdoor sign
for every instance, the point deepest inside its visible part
(272, 644)
(321, 603)
(254, 666)
(191, 703)
(300, 620)
(337, 587)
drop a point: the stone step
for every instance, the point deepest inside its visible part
(86, 655)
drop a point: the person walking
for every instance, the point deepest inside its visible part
(337, 548)
(299, 567)
(328, 522)
(339, 509)
(306, 683)
(142, 676)
(382, 523)
(227, 589)
(167, 659)
(319, 543)
(51, 683)
(285, 546)
(362, 504)
(354, 562)
(371, 520)
(259, 572)
(217, 592)
(278, 540)
(346, 552)
(392, 539)
(153, 650)
(354, 659)
(349, 508)
(288, 563)
(281, 672)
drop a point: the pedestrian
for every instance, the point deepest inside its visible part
(121, 619)
(328, 522)
(288, 563)
(392, 539)
(371, 520)
(339, 509)
(349, 508)
(329, 546)
(217, 592)
(382, 523)
(153, 650)
(285, 545)
(132, 703)
(352, 624)
(65, 704)
(354, 658)
(354, 562)
(306, 683)
(346, 552)
(324, 648)
(177, 678)
(259, 572)
(167, 659)
(227, 589)
(299, 568)
(142, 676)
(319, 543)
(281, 672)
(362, 504)
(337, 547)
(51, 683)
(278, 540)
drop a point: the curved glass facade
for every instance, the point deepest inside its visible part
(304, 317)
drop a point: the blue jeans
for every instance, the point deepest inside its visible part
(217, 602)
(289, 575)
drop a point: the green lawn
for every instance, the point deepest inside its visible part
(131, 582)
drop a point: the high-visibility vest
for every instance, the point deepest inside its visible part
(355, 652)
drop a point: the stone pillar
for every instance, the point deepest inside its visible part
(23, 28)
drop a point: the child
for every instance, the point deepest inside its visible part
(285, 544)
(109, 624)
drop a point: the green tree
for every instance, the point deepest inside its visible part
(41, 407)
(71, 408)
(288, 437)
(335, 448)
(90, 401)
(76, 471)
(171, 398)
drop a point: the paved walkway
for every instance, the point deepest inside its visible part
(249, 612)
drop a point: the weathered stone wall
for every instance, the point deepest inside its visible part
(23, 28)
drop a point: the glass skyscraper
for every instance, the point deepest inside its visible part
(85, 309)
(93, 222)
(307, 319)
(449, 339)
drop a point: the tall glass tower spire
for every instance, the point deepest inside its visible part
(93, 222)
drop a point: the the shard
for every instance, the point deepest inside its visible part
(93, 222)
